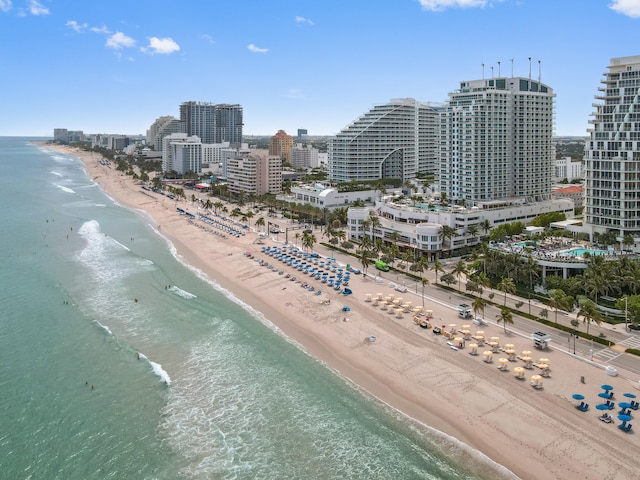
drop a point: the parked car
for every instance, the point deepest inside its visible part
(479, 321)
(355, 271)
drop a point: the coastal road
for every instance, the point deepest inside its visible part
(444, 302)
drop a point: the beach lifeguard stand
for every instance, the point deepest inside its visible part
(541, 340)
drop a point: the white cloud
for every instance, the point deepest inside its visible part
(161, 46)
(439, 5)
(254, 49)
(303, 20)
(72, 24)
(37, 9)
(208, 38)
(631, 8)
(101, 29)
(5, 5)
(119, 40)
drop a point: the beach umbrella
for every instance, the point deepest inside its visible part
(503, 363)
(509, 346)
(602, 406)
(487, 355)
(624, 418)
(536, 378)
(606, 387)
(480, 333)
(526, 353)
(603, 395)
(577, 396)
(624, 405)
(543, 360)
(495, 339)
(452, 327)
(519, 371)
(629, 395)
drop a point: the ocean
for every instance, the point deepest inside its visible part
(119, 361)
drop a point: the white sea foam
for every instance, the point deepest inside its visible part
(64, 189)
(157, 369)
(182, 293)
(57, 174)
(105, 328)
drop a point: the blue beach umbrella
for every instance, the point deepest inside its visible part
(603, 395)
(624, 405)
(602, 406)
(577, 396)
(624, 418)
(606, 387)
(629, 395)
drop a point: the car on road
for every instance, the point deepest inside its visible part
(480, 321)
(275, 230)
(355, 271)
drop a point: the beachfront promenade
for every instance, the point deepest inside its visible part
(444, 302)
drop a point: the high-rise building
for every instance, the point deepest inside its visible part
(395, 140)
(182, 154)
(256, 172)
(159, 129)
(212, 123)
(496, 141)
(228, 124)
(280, 145)
(612, 154)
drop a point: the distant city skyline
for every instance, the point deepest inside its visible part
(117, 67)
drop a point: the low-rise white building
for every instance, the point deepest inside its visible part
(566, 168)
(322, 196)
(418, 226)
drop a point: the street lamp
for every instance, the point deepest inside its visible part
(626, 328)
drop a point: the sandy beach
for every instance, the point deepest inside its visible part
(535, 433)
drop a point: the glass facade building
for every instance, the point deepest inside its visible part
(612, 154)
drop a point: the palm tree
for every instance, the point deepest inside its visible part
(478, 306)
(506, 285)
(505, 317)
(590, 313)
(437, 267)
(308, 240)
(486, 226)
(448, 232)
(544, 313)
(249, 216)
(424, 282)
(558, 299)
(473, 231)
(459, 270)
(260, 222)
(297, 237)
(365, 259)
(531, 269)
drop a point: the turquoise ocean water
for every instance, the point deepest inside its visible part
(215, 393)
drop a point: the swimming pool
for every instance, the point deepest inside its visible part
(579, 252)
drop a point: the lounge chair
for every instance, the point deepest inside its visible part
(625, 427)
(579, 407)
(584, 407)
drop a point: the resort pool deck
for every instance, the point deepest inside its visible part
(580, 252)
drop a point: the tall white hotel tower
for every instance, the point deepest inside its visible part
(612, 154)
(496, 141)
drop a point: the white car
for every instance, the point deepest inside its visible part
(479, 321)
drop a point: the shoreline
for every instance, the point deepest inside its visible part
(533, 433)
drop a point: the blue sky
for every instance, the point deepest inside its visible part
(115, 66)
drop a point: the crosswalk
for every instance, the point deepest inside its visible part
(631, 342)
(606, 354)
